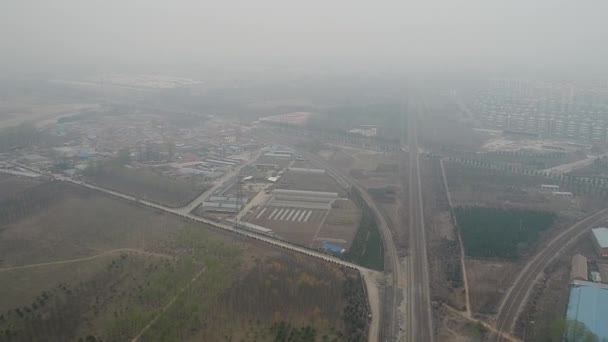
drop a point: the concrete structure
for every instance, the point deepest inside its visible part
(600, 241)
(588, 305)
(578, 270)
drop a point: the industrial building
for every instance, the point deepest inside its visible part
(600, 241)
(579, 268)
(223, 204)
(588, 306)
(302, 199)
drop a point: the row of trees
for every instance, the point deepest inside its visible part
(356, 311)
(366, 249)
(580, 185)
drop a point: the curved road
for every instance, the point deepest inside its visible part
(390, 250)
(518, 293)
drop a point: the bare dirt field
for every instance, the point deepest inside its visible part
(148, 185)
(86, 265)
(488, 280)
(340, 225)
(300, 228)
(371, 169)
(453, 327)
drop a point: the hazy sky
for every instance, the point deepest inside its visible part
(486, 34)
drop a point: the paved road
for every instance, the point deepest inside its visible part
(517, 294)
(420, 311)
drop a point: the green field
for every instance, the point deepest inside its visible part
(498, 232)
(367, 249)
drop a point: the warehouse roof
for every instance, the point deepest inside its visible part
(601, 235)
(589, 305)
(579, 267)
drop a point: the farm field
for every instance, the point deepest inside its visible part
(87, 266)
(487, 282)
(296, 225)
(309, 227)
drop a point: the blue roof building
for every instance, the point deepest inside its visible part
(600, 240)
(588, 305)
(332, 248)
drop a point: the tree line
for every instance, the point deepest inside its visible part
(500, 232)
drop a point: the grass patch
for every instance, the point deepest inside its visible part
(367, 249)
(498, 232)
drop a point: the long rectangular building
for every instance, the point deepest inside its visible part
(600, 241)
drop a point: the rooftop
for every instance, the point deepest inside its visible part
(332, 248)
(601, 235)
(589, 305)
